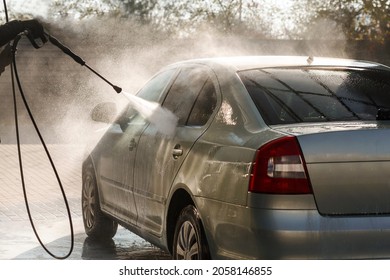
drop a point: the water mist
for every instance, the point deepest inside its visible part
(163, 119)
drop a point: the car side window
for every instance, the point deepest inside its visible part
(154, 88)
(188, 94)
(204, 105)
(152, 91)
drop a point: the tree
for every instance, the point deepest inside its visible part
(228, 17)
(359, 19)
(141, 9)
(355, 19)
(83, 8)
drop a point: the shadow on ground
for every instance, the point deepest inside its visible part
(124, 246)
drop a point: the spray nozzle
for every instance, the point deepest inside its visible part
(34, 31)
(117, 89)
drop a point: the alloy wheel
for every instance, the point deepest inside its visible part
(187, 247)
(89, 203)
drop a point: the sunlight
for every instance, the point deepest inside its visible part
(282, 4)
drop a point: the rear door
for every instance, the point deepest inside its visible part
(192, 98)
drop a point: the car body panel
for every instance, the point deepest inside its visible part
(115, 154)
(238, 63)
(151, 191)
(114, 171)
(168, 153)
(285, 229)
(348, 168)
(346, 216)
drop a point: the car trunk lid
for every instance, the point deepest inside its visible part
(348, 165)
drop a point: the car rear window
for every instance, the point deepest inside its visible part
(297, 95)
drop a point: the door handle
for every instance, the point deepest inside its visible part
(132, 144)
(177, 151)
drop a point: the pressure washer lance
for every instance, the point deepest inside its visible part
(79, 60)
(164, 120)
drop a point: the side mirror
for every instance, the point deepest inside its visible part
(383, 114)
(104, 112)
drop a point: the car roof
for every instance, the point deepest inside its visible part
(252, 62)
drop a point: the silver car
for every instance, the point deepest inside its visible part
(272, 158)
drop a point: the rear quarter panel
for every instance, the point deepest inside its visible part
(219, 164)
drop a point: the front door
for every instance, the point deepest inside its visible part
(120, 148)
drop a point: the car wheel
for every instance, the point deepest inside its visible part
(189, 242)
(96, 224)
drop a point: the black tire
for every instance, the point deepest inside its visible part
(96, 224)
(189, 242)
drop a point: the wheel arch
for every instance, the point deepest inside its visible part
(179, 199)
(89, 161)
(97, 225)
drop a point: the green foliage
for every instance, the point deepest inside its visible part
(359, 19)
(141, 9)
(292, 19)
(186, 16)
(84, 8)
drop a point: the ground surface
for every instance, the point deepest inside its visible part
(17, 239)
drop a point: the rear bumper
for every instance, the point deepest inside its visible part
(307, 235)
(258, 233)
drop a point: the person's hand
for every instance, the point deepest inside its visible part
(5, 58)
(34, 27)
(35, 32)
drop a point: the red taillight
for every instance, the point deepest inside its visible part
(280, 168)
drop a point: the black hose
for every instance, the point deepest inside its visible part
(14, 70)
(80, 61)
(48, 156)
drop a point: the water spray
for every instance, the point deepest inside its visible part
(164, 120)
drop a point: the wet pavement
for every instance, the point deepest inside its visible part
(17, 239)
